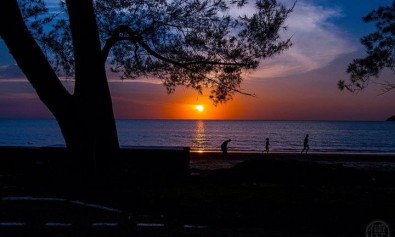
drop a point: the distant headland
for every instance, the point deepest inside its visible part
(392, 118)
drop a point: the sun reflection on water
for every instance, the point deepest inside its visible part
(199, 141)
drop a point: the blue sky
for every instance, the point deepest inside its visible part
(299, 84)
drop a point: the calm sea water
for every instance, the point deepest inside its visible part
(285, 136)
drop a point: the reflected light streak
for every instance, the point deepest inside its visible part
(200, 137)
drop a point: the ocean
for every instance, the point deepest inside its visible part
(207, 135)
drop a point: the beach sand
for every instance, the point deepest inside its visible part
(245, 194)
(211, 160)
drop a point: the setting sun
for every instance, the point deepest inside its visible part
(200, 108)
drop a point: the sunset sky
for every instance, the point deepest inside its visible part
(300, 84)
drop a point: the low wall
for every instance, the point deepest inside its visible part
(146, 161)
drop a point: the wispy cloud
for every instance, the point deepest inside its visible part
(316, 42)
(10, 71)
(18, 95)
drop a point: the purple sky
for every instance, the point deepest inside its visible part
(299, 84)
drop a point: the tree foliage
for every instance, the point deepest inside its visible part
(194, 43)
(202, 44)
(380, 48)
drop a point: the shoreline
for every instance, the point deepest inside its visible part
(211, 160)
(294, 154)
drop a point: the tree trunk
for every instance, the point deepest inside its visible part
(94, 113)
(86, 118)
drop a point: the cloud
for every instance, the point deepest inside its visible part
(316, 42)
(18, 95)
(10, 71)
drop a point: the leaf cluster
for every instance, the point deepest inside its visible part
(380, 49)
(194, 43)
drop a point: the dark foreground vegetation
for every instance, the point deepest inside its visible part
(258, 197)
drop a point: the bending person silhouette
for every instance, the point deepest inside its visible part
(267, 146)
(305, 144)
(224, 147)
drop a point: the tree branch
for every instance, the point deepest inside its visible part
(31, 59)
(126, 33)
(135, 38)
(86, 43)
(221, 84)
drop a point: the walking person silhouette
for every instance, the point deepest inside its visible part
(306, 146)
(267, 144)
(224, 147)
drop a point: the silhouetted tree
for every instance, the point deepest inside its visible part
(380, 47)
(195, 43)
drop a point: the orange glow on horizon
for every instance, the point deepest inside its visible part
(183, 104)
(186, 105)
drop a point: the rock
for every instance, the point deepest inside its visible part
(392, 118)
